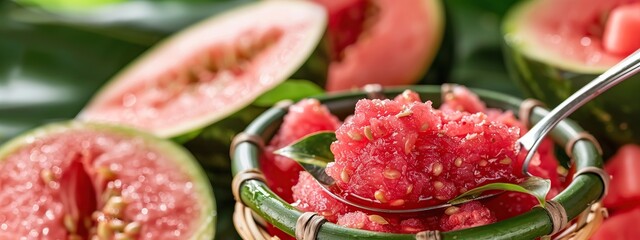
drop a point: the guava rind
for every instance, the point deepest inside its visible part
(183, 160)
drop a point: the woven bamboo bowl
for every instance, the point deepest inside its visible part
(573, 214)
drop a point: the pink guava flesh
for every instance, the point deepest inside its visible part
(365, 41)
(60, 185)
(211, 70)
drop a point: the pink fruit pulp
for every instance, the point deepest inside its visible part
(61, 175)
(381, 41)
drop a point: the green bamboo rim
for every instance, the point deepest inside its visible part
(577, 197)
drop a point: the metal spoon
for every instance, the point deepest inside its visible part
(529, 142)
(616, 74)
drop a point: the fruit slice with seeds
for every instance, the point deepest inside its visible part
(215, 68)
(79, 181)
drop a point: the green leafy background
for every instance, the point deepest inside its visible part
(54, 57)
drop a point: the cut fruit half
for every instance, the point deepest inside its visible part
(214, 69)
(78, 181)
(382, 41)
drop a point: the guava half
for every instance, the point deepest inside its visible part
(554, 47)
(83, 180)
(215, 68)
(386, 42)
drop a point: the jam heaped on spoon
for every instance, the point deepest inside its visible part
(404, 152)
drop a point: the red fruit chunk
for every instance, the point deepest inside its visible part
(310, 197)
(623, 167)
(400, 153)
(461, 99)
(379, 223)
(467, 215)
(510, 204)
(620, 227)
(305, 117)
(622, 31)
(361, 220)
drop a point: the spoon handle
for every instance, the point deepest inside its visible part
(616, 74)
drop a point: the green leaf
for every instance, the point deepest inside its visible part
(313, 153)
(535, 186)
(68, 4)
(291, 89)
(139, 22)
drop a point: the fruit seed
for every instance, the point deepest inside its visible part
(117, 224)
(437, 169)
(97, 216)
(379, 195)
(378, 219)
(106, 173)
(458, 162)
(355, 136)
(104, 230)
(114, 207)
(344, 176)
(69, 223)
(409, 189)
(410, 229)
(132, 228)
(368, 133)
(404, 113)
(451, 210)
(391, 173)
(424, 127)
(47, 176)
(483, 163)
(438, 185)
(506, 161)
(408, 145)
(122, 236)
(397, 202)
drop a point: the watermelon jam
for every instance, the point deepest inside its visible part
(399, 164)
(83, 184)
(404, 153)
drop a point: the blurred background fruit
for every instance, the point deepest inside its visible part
(553, 48)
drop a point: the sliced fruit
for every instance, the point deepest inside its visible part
(624, 167)
(619, 227)
(554, 47)
(214, 69)
(622, 30)
(79, 180)
(382, 41)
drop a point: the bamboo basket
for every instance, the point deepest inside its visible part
(575, 213)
